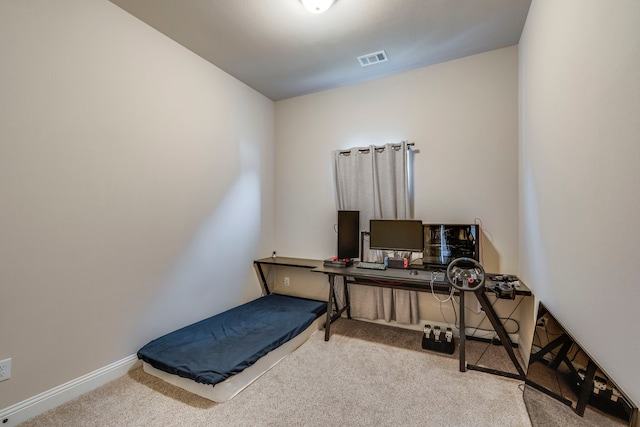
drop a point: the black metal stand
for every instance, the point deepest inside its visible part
(586, 385)
(333, 315)
(502, 334)
(463, 335)
(401, 279)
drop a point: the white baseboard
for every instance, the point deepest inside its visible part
(36, 405)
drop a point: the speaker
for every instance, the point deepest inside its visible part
(348, 234)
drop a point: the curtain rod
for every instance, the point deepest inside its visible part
(377, 148)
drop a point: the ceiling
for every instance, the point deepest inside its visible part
(281, 50)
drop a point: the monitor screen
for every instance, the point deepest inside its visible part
(396, 235)
(348, 234)
(445, 242)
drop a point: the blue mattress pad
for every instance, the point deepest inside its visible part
(216, 348)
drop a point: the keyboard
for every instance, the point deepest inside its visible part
(371, 265)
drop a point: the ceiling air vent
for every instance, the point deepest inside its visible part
(372, 58)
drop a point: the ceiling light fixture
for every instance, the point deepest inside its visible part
(317, 6)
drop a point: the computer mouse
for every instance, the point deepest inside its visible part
(413, 272)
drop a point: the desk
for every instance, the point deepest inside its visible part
(309, 264)
(421, 282)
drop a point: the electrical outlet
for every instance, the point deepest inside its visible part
(286, 281)
(5, 369)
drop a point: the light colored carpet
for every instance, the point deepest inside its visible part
(366, 375)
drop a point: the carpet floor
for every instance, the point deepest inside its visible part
(366, 375)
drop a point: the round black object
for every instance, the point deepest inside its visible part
(466, 274)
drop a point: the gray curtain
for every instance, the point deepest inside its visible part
(376, 182)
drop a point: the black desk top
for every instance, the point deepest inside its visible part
(290, 262)
(391, 277)
(402, 278)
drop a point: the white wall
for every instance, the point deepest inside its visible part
(579, 174)
(462, 117)
(136, 186)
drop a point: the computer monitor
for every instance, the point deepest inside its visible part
(396, 235)
(348, 234)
